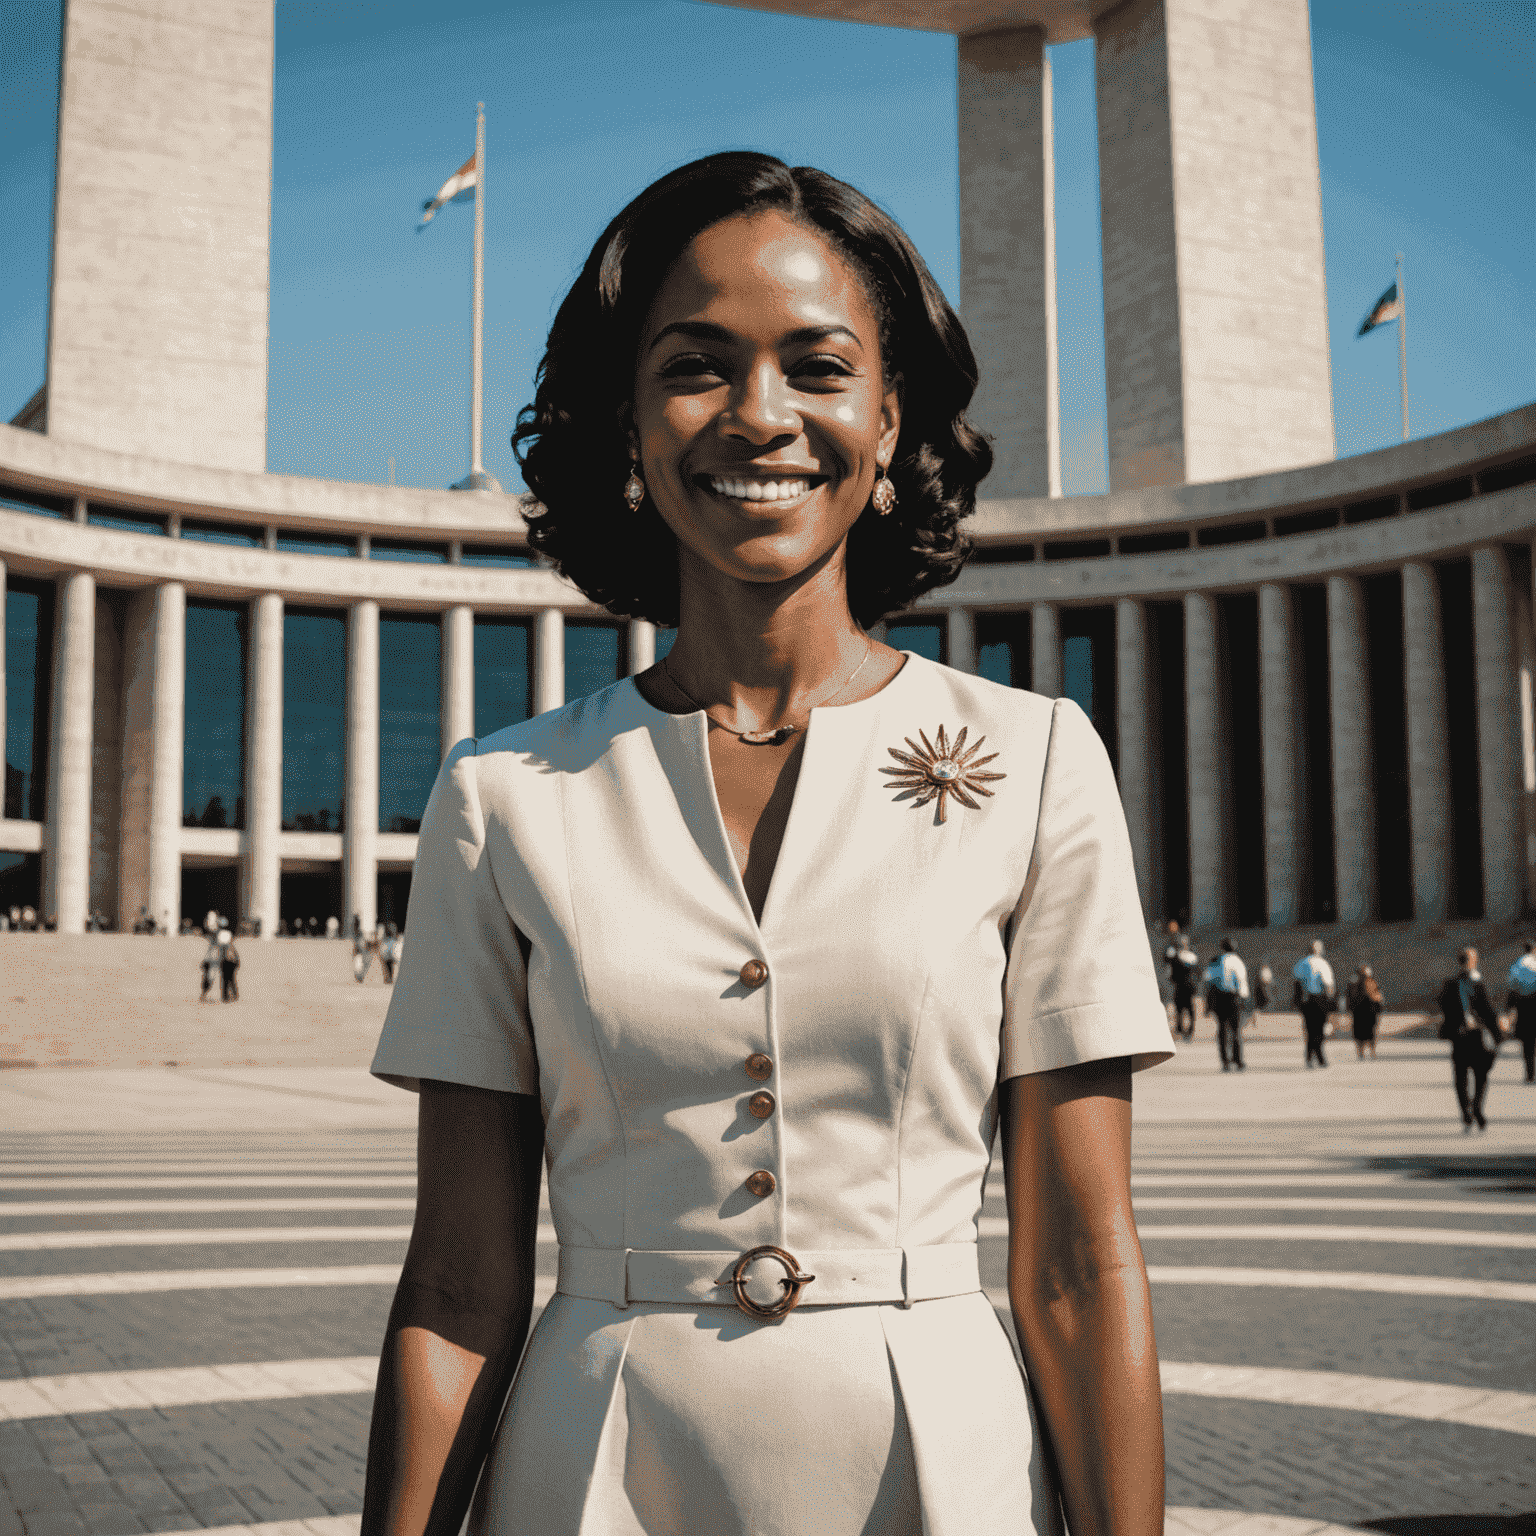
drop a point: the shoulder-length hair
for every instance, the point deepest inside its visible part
(572, 444)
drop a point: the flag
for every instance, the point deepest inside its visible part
(1388, 307)
(459, 188)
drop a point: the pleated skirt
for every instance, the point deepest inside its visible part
(660, 1420)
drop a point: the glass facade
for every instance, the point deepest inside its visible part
(213, 743)
(1002, 648)
(125, 522)
(315, 544)
(503, 673)
(28, 661)
(410, 723)
(413, 554)
(664, 642)
(223, 533)
(490, 555)
(37, 504)
(923, 637)
(594, 656)
(314, 720)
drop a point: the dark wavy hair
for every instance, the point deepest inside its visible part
(572, 444)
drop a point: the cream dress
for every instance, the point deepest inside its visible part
(911, 966)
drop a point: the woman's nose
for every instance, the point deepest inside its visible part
(762, 408)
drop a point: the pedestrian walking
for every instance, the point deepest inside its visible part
(1472, 1027)
(389, 951)
(1226, 989)
(229, 963)
(362, 954)
(1183, 973)
(210, 969)
(1363, 999)
(1314, 992)
(1263, 988)
(1522, 998)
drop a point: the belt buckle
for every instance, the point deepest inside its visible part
(795, 1280)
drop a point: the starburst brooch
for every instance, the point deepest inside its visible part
(932, 771)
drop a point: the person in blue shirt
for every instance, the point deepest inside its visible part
(1226, 988)
(1314, 995)
(1522, 998)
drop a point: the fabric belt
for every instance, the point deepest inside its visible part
(702, 1277)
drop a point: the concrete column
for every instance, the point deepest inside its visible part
(962, 639)
(548, 660)
(1281, 766)
(1498, 735)
(1045, 650)
(1206, 759)
(264, 764)
(1429, 771)
(67, 865)
(1005, 255)
(1133, 730)
(154, 701)
(1210, 374)
(360, 840)
(1349, 718)
(458, 690)
(642, 646)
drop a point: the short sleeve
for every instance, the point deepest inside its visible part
(459, 1012)
(1080, 985)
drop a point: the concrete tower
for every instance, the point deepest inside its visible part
(157, 326)
(1215, 309)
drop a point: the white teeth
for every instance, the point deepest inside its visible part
(760, 490)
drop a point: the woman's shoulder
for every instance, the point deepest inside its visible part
(561, 738)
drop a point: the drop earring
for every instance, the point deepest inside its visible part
(884, 494)
(634, 487)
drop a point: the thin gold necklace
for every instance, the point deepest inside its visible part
(781, 734)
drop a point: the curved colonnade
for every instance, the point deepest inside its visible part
(1316, 684)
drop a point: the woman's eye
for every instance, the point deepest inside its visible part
(689, 365)
(823, 368)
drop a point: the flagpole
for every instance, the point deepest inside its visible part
(1402, 342)
(475, 466)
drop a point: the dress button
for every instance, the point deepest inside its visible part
(761, 1105)
(759, 1066)
(754, 973)
(762, 1183)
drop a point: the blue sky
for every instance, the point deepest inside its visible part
(1425, 126)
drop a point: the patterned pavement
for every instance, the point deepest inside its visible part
(194, 1277)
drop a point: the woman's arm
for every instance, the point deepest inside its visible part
(461, 1312)
(1078, 1287)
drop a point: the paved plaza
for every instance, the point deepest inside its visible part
(196, 1263)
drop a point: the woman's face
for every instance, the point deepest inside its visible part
(760, 408)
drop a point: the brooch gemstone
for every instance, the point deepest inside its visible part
(938, 769)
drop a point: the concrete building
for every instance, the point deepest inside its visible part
(232, 689)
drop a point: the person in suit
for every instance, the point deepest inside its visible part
(1522, 999)
(1472, 1026)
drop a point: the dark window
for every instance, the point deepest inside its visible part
(1154, 543)
(503, 673)
(665, 640)
(1002, 554)
(28, 664)
(124, 522)
(36, 503)
(21, 880)
(1239, 620)
(923, 637)
(1461, 737)
(1306, 522)
(213, 739)
(314, 544)
(392, 894)
(487, 554)
(1231, 533)
(410, 717)
(314, 722)
(1165, 621)
(1389, 736)
(593, 656)
(236, 534)
(1440, 495)
(1502, 476)
(210, 888)
(1310, 607)
(1088, 669)
(308, 897)
(1371, 511)
(415, 554)
(1077, 549)
(1002, 648)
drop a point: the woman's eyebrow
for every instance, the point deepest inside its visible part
(705, 330)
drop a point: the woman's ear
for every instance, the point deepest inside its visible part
(890, 418)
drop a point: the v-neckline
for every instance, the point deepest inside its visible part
(696, 738)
